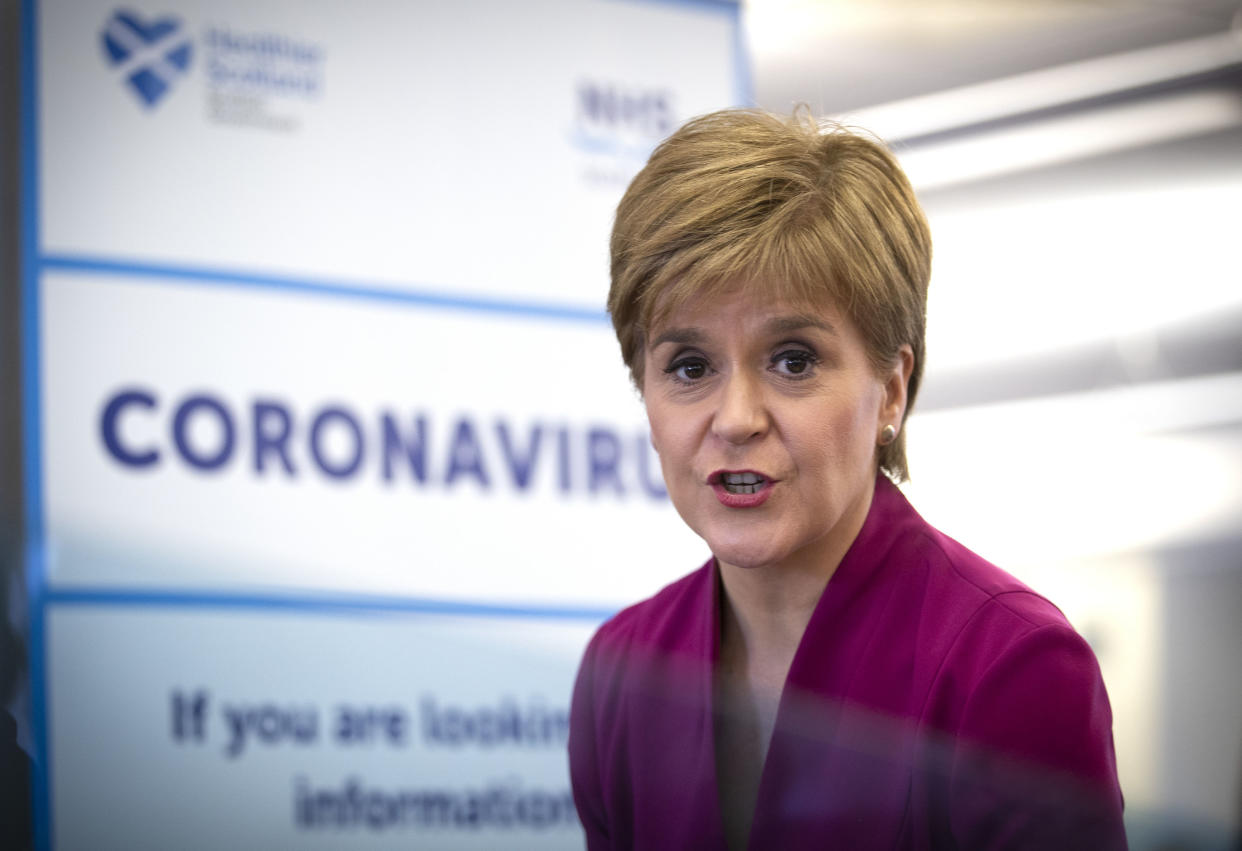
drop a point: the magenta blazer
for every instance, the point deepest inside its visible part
(934, 702)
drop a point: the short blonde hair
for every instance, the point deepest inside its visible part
(807, 212)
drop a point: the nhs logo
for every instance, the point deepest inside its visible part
(150, 56)
(621, 120)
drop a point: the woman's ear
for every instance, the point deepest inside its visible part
(896, 383)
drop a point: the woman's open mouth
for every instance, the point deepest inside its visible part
(741, 488)
(742, 483)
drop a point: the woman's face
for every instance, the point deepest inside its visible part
(766, 419)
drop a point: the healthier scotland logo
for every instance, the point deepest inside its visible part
(151, 55)
(264, 79)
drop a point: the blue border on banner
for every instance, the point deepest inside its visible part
(727, 6)
(32, 434)
(743, 82)
(339, 289)
(320, 604)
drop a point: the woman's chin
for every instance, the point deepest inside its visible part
(747, 557)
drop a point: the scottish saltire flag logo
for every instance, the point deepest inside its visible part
(150, 55)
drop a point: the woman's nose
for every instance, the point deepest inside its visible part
(741, 413)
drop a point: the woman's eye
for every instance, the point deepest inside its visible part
(687, 369)
(794, 363)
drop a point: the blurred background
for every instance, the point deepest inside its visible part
(1081, 419)
(1081, 166)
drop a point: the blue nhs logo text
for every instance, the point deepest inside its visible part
(614, 109)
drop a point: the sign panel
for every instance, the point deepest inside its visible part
(473, 149)
(199, 728)
(332, 464)
(336, 444)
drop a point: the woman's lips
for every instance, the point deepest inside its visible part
(740, 488)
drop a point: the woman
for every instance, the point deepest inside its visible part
(838, 674)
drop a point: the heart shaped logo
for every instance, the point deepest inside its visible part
(151, 55)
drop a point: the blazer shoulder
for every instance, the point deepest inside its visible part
(981, 589)
(675, 616)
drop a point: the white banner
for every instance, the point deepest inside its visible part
(472, 148)
(230, 438)
(335, 466)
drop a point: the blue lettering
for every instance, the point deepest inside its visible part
(318, 425)
(594, 104)
(520, 464)
(204, 432)
(181, 424)
(266, 440)
(218, 71)
(643, 111)
(465, 456)
(562, 453)
(108, 428)
(604, 452)
(663, 113)
(415, 450)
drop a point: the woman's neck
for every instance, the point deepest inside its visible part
(766, 610)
